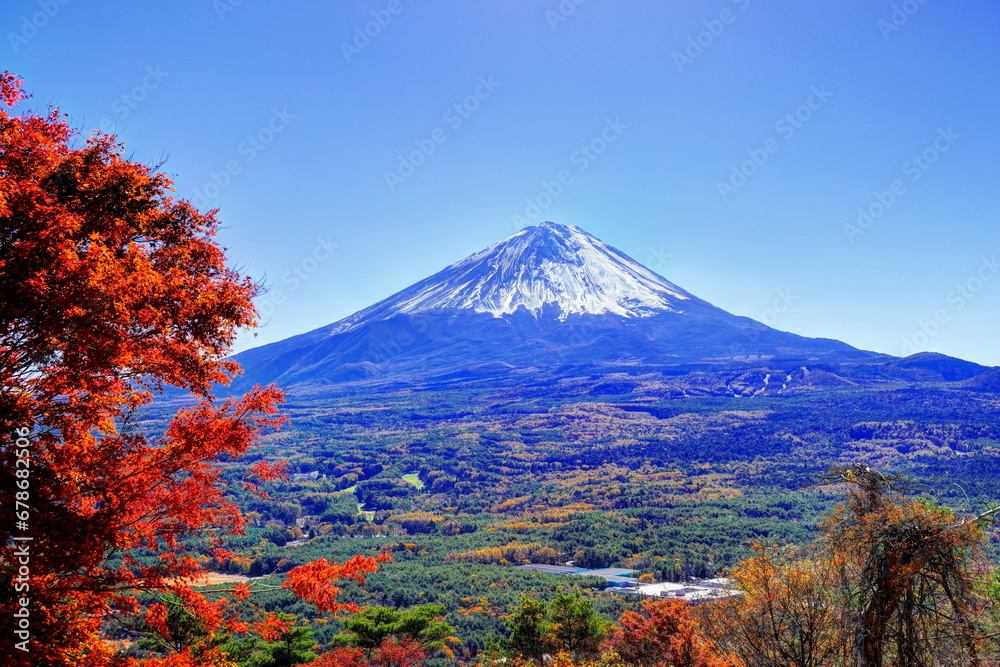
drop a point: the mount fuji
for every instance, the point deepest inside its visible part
(551, 300)
(548, 271)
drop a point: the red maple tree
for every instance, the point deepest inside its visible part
(663, 634)
(110, 289)
(392, 652)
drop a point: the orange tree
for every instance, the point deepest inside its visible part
(788, 611)
(186, 628)
(663, 633)
(907, 573)
(892, 581)
(110, 289)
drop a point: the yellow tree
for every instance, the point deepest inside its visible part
(662, 633)
(907, 573)
(787, 613)
(891, 582)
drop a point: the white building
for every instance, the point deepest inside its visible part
(708, 589)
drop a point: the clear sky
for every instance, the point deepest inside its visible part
(829, 168)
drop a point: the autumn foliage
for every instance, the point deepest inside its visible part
(786, 613)
(111, 289)
(313, 582)
(663, 633)
(892, 581)
(392, 652)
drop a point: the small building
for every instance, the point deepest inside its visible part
(613, 581)
(718, 582)
(702, 591)
(614, 576)
(607, 572)
(550, 569)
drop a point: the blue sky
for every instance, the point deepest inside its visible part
(827, 168)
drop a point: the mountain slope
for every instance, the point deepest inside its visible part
(551, 298)
(549, 269)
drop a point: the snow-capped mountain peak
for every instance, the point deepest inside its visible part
(549, 299)
(557, 269)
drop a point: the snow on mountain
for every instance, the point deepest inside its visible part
(555, 269)
(551, 298)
